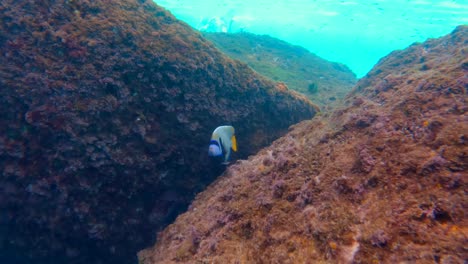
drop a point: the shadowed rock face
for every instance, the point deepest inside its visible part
(382, 180)
(107, 108)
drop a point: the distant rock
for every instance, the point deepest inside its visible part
(380, 181)
(106, 110)
(325, 83)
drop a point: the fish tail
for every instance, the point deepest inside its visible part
(234, 143)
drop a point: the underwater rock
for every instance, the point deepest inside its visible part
(325, 83)
(106, 114)
(390, 191)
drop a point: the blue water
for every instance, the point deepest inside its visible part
(356, 33)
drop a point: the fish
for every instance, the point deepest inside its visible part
(223, 140)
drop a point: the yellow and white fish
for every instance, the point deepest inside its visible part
(222, 141)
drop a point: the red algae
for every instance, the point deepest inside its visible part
(381, 180)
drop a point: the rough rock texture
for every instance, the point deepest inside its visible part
(383, 180)
(106, 109)
(325, 83)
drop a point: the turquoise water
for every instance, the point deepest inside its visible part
(356, 33)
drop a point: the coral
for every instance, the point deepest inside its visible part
(279, 187)
(379, 239)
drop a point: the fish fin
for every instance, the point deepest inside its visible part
(234, 143)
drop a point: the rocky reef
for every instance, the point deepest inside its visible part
(106, 109)
(325, 83)
(382, 180)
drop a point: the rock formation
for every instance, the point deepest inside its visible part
(107, 108)
(382, 180)
(325, 83)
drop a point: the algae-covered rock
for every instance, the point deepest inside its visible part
(325, 83)
(380, 181)
(106, 112)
